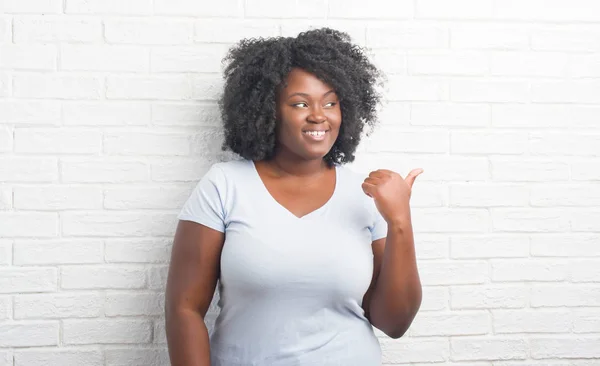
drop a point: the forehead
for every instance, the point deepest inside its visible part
(299, 80)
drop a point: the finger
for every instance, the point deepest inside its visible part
(373, 180)
(410, 178)
(369, 189)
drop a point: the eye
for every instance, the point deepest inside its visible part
(331, 104)
(300, 104)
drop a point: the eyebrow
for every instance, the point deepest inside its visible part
(307, 96)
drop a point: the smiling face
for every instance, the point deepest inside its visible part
(309, 116)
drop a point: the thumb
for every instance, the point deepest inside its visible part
(410, 178)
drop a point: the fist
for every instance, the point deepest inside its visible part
(391, 192)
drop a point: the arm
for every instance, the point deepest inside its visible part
(193, 275)
(395, 294)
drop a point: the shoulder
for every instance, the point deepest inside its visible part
(230, 169)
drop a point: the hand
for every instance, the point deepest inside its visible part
(391, 193)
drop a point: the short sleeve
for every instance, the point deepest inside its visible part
(206, 203)
(379, 228)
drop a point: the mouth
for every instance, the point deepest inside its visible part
(315, 135)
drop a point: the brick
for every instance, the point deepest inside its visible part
(434, 299)
(565, 144)
(476, 142)
(407, 36)
(29, 57)
(134, 304)
(6, 198)
(565, 347)
(354, 28)
(548, 195)
(161, 197)
(435, 273)
(136, 357)
(521, 321)
(106, 331)
(149, 32)
(157, 277)
(451, 323)
(19, 224)
(475, 348)
(581, 66)
(96, 7)
(381, 9)
(102, 277)
(31, 6)
(427, 194)
(5, 37)
(206, 87)
(581, 38)
(445, 114)
(24, 169)
(199, 58)
(186, 114)
(462, 9)
(565, 245)
(58, 141)
(414, 350)
(500, 91)
(222, 9)
(113, 113)
(5, 308)
(277, 9)
(29, 334)
(529, 270)
(144, 143)
(24, 280)
(232, 30)
(388, 140)
(390, 61)
(488, 195)
(544, 116)
(571, 91)
(179, 170)
(415, 88)
(6, 140)
(5, 84)
(138, 250)
(394, 114)
(469, 63)
(58, 251)
(541, 10)
(104, 58)
(529, 170)
(118, 224)
(565, 295)
(149, 87)
(68, 357)
(585, 270)
(208, 142)
(5, 251)
(45, 29)
(530, 220)
(450, 220)
(580, 170)
(530, 64)
(61, 305)
(6, 358)
(585, 221)
(160, 333)
(431, 246)
(489, 246)
(57, 86)
(586, 321)
(103, 170)
(62, 197)
(489, 297)
(29, 112)
(489, 36)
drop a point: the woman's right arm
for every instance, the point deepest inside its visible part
(193, 275)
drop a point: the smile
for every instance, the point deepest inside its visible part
(315, 135)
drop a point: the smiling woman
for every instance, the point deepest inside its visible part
(308, 255)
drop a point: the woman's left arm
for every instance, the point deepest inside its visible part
(395, 295)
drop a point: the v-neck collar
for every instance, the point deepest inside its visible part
(270, 197)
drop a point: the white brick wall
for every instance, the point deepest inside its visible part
(107, 120)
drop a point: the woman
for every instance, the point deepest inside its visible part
(308, 254)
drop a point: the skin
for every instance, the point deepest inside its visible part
(298, 178)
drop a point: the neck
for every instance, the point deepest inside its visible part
(290, 165)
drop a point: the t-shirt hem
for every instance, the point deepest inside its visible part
(212, 225)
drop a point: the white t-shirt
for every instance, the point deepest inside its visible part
(290, 288)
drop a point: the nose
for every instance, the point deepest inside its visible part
(316, 115)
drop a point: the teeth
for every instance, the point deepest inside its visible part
(315, 133)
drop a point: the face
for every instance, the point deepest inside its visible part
(309, 116)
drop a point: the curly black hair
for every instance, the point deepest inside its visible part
(256, 67)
